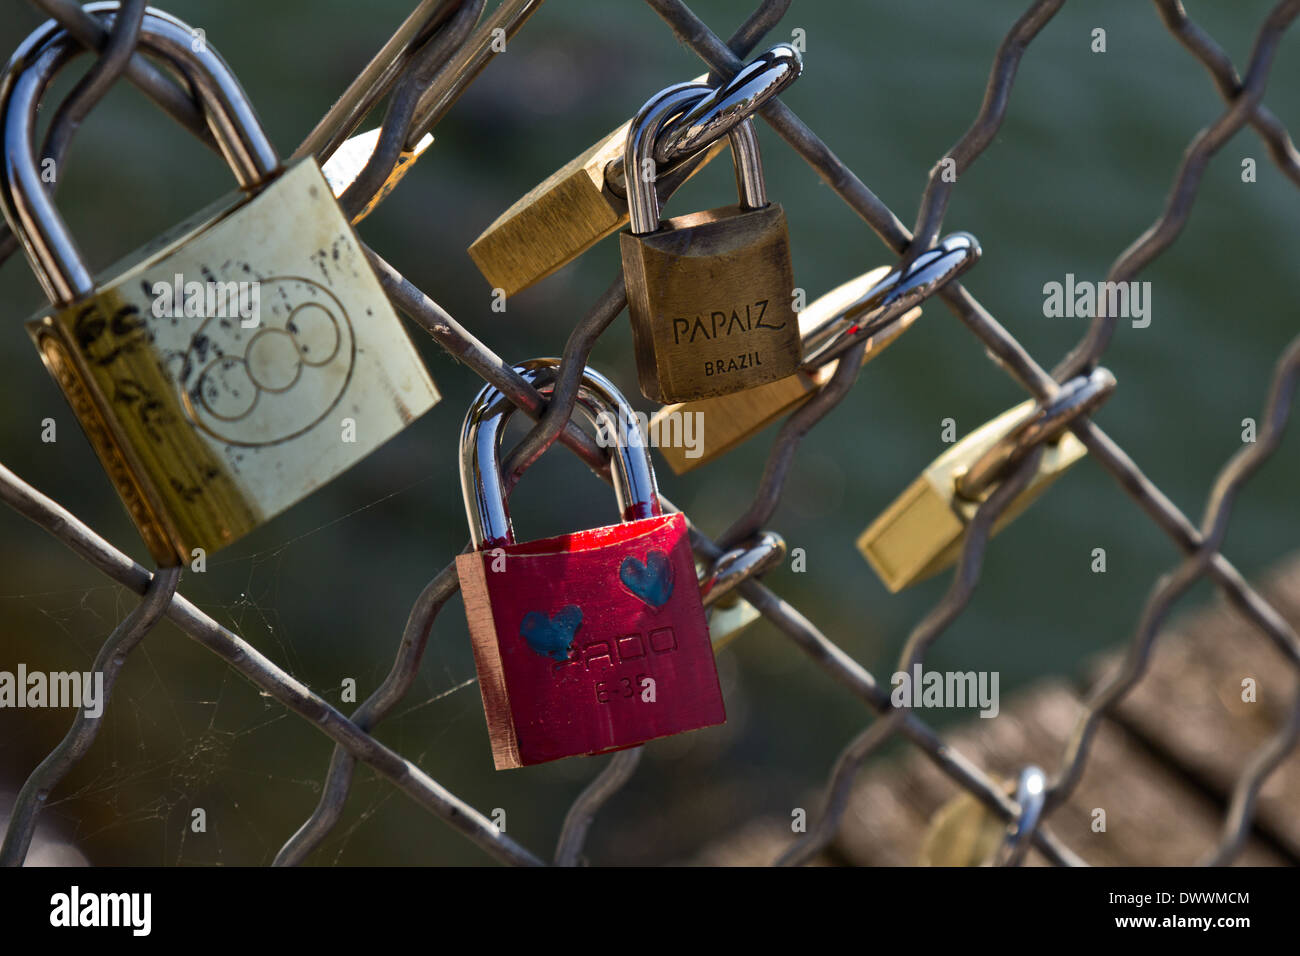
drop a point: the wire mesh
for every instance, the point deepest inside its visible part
(453, 60)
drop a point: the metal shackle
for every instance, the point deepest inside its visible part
(863, 315)
(639, 155)
(715, 114)
(1041, 422)
(729, 104)
(763, 552)
(480, 451)
(53, 253)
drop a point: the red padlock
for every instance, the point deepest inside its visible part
(584, 642)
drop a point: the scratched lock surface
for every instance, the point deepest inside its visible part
(567, 631)
(709, 296)
(216, 372)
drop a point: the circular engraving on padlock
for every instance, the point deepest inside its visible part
(227, 391)
(277, 380)
(274, 360)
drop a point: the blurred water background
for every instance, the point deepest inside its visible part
(1080, 167)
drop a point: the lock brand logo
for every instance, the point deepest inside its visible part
(625, 649)
(551, 637)
(208, 300)
(722, 325)
(652, 582)
(254, 388)
(733, 364)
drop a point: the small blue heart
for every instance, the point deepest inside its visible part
(652, 582)
(552, 637)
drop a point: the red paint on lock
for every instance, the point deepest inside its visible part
(559, 682)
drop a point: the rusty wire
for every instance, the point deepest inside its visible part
(1200, 547)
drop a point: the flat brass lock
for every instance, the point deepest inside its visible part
(922, 532)
(879, 305)
(586, 199)
(238, 362)
(347, 162)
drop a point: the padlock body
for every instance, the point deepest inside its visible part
(589, 642)
(720, 424)
(710, 296)
(560, 218)
(922, 532)
(236, 364)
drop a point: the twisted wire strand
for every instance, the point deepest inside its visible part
(77, 742)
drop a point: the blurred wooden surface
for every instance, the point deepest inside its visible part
(1163, 766)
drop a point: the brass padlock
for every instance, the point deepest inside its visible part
(965, 832)
(922, 532)
(710, 294)
(879, 305)
(233, 365)
(347, 162)
(586, 199)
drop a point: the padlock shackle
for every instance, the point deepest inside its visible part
(639, 154)
(1042, 422)
(28, 206)
(481, 481)
(760, 554)
(888, 300)
(730, 103)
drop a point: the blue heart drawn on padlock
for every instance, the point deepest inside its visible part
(553, 636)
(652, 582)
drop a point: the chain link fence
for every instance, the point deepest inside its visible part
(422, 94)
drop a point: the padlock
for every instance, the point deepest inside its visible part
(235, 364)
(726, 611)
(879, 306)
(347, 162)
(710, 294)
(586, 199)
(922, 532)
(965, 832)
(584, 642)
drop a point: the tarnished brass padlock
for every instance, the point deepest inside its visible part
(710, 294)
(922, 532)
(879, 306)
(235, 364)
(586, 200)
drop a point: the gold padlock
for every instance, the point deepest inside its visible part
(233, 365)
(965, 832)
(922, 532)
(347, 162)
(879, 306)
(586, 199)
(710, 294)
